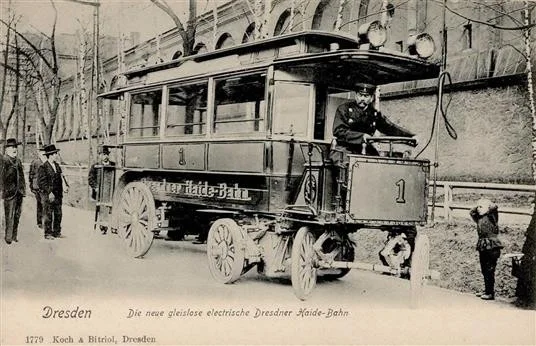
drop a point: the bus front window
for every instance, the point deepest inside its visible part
(335, 97)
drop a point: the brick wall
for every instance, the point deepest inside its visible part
(494, 133)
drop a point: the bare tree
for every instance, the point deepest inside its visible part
(5, 72)
(8, 71)
(45, 78)
(187, 34)
(526, 284)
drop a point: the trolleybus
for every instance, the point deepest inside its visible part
(237, 142)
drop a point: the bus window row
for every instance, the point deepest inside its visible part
(300, 109)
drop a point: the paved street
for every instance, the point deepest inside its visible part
(91, 271)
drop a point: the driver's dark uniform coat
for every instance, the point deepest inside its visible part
(351, 123)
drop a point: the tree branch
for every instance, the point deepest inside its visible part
(502, 14)
(161, 4)
(500, 27)
(94, 4)
(37, 50)
(5, 65)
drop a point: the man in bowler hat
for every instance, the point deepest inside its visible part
(50, 182)
(32, 180)
(12, 189)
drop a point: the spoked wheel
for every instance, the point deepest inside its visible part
(136, 218)
(420, 267)
(225, 250)
(304, 269)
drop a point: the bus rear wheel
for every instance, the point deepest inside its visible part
(136, 218)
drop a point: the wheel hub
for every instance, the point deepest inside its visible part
(223, 250)
(134, 218)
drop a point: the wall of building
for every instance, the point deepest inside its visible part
(493, 128)
(493, 138)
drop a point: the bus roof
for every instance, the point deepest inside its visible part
(328, 54)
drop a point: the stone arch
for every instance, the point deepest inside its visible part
(225, 40)
(249, 34)
(363, 11)
(176, 55)
(326, 12)
(282, 24)
(199, 48)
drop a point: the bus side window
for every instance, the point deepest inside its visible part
(145, 108)
(239, 105)
(186, 111)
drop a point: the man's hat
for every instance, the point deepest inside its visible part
(50, 149)
(105, 150)
(365, 88)
(12, 142)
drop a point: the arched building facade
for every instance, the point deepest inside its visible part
(483, 62)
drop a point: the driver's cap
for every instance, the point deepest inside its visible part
(365, 88)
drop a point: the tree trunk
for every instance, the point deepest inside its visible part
(526, 283)
(338, 22)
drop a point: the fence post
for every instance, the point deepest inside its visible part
(447, 200)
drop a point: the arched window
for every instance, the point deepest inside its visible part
(176, 55)
(225, 40)
(283, 23)
(249, 35)
(363, 10)
(326, 13)
(200, 48)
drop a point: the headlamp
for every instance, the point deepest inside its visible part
(422, 45)
(373, 33)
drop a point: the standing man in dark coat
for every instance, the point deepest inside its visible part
(32, 180)
(50, 182)
(357, 120)
(12, 188)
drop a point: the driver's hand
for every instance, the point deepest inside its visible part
(417, 140)
(366, 137)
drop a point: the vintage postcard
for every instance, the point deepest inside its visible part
(244, 172)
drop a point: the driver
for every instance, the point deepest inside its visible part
(357, 120)
(354, 122)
